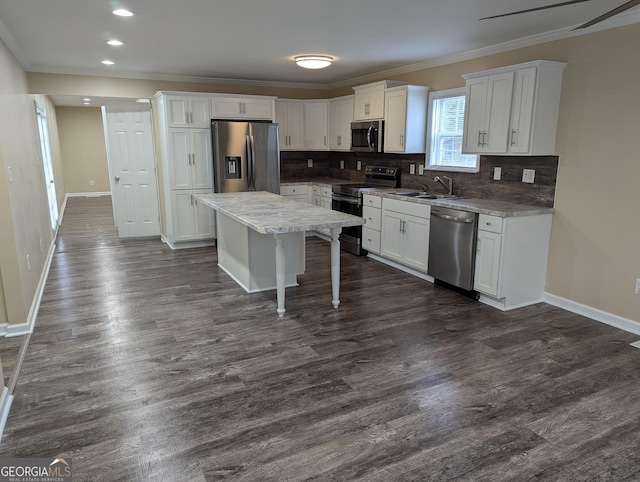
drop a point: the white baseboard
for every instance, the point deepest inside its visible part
(5, 405)
(401, 267)
(616, 321)
(88, 194)
(187, 245)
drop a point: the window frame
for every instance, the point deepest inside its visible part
(433, 96)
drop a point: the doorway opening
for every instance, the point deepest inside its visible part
(47, 164)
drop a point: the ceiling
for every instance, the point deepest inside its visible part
(255, 41)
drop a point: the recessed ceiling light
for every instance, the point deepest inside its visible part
(123, 12)
(86, 99)
(108, 62)
(115, 43)
(313, 61)
(87, 103)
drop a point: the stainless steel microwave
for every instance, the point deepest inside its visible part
(367, 136)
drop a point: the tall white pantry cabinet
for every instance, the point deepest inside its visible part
(187, 168)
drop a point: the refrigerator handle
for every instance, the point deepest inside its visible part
(250, 183)
(252, 145)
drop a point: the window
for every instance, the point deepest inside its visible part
(444, 132)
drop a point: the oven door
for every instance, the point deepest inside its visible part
(367, 136)
(351, 236)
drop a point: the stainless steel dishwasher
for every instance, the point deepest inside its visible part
(452, 247)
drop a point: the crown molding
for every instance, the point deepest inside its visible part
(622, 19)
(180, 78)
(12, 45)
(619, 20)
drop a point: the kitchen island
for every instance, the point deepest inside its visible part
(261, 239)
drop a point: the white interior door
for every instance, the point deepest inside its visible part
(132, 167)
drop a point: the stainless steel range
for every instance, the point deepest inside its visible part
(347, 198)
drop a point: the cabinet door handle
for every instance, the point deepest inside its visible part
(402, 140)
(339, 140)
(513, 137)
(484, 138)
(325, 140)
(479, 138)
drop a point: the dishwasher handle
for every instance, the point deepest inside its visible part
(452, 218)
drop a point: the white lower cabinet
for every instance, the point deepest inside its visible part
(190, 219)
(405, 232)
(321, 197)
(511, 259)
(297, 192)
(372, 213)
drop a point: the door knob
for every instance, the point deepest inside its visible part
(117, 178)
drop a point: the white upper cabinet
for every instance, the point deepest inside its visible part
(188, 111)
(290, 118)
(242, 107)
(513, 110)
(340, 118)
(315, 125)
(405, 119)
(369, 100)
(487, 110)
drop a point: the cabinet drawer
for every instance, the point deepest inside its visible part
(372, 201)
(326, 191)
(407, 207)
(373, 217)
(317, 190)
(371, 240)
(492, 224)
(287, 190)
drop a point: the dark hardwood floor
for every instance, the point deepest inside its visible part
(148, 364)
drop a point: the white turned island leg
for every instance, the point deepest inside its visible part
(280, 273)
(335, 266)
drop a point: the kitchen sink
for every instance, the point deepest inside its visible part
(421, 195)
(433, 196)
(409, 193)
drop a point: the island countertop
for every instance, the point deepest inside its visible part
(269, 213)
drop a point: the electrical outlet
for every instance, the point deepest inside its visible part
(341, 164)
(90, 183)
(309, 162)
(638, 286)
(412, 168)
(420, 170)
(359, 165)
(528, 175)
(497, 173)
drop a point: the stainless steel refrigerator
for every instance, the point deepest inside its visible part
(246, 156)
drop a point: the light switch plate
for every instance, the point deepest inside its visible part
(528, 175)
(497, 173)
(309, 162)
(341, 164)
(359, 165)
(420, 169)
(412, 168)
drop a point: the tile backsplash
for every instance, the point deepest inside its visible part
(294, 166)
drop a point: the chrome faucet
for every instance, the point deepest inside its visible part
(449, 187)
(425, 187)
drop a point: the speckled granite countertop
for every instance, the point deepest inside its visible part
(502, 209)
(268, 213)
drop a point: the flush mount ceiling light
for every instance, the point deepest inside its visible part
(123, 12)
(115, 43)
(108, 62)
(313, 61)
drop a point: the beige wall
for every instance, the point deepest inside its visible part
(26, 234)
(83, 149)
(594, 258)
